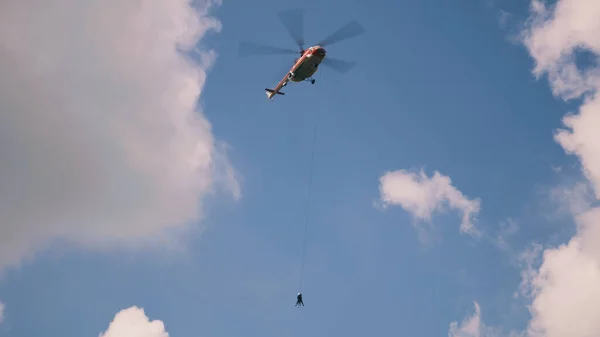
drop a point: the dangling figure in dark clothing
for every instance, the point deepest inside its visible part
(299, 300)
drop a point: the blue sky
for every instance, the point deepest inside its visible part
(440, 86)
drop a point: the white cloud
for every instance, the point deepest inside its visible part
(101, 140)
(422, 196)
(2, 308)
(565, 289)
(554, 38)
(133, 322)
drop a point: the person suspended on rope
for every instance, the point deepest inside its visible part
(299, 300)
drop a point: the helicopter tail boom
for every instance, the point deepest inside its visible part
(270, 93)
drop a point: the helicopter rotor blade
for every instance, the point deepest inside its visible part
(340, 66)
(252, 49)
(350, 30)
(293, 21)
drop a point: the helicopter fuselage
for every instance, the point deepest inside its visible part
(303, 69)
(311, 58)
(307, 64)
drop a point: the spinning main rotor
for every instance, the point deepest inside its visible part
(293, 21)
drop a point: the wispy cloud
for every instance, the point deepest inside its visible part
(572, 199)
(469, 327)
(473, 326)
(529, 261)
(507, 229)
(503, 18)
(423, 196)
(103, 140)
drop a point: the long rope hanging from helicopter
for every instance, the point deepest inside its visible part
(303, 70)
(310, 183)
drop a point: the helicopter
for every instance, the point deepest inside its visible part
(311, 58)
